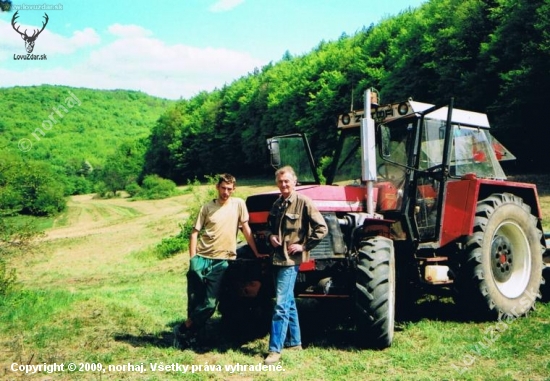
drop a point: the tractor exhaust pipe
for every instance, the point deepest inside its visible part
(368, 153)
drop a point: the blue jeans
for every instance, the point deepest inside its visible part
(285, 327)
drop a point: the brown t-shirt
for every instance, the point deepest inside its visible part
(218, 227)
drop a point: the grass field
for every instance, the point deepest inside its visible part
(94, 295)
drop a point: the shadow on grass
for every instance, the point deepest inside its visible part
(163, 340)
(216, 335)
(330, 323)
(324, 323)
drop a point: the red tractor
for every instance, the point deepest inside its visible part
(416, 200)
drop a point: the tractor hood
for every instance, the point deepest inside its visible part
(327, 198)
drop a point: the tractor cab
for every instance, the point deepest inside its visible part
(419, 147)
(416, 148)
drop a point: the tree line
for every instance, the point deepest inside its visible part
(490, 55)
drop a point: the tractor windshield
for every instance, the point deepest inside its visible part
(348, 161)
(391, 163)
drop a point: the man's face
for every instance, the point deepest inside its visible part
(286, 184)
(225, 190)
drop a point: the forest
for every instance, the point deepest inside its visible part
(488, 55)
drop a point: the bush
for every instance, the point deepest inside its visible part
(11, 201)
(80, 185)
(7, 279)
(133, 189)
(155, 187)
(102, 191)
(50, 201)
(168, 247)
(29, 187)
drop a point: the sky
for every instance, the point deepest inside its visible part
(174, 48)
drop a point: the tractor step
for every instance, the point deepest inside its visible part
(432, 259)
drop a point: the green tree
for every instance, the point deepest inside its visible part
(29, 187)
(123, 167)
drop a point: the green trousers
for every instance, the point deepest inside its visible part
(204, 280)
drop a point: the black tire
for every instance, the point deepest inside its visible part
(245, 300)
(375, 293)
(502, 272)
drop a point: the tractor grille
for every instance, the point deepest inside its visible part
(333, 244)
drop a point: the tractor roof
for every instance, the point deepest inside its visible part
(469, 118)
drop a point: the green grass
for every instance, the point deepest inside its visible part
(122, 312)
(128, 315)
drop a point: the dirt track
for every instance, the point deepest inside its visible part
(94, 235)
(125, 220)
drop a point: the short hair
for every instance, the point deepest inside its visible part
(286, 169)
(227, 178)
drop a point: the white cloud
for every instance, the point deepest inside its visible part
(136, 61)
(224, 5)
(52, 43)
(167, 70)
(129, 31)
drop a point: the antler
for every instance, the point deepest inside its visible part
(36, 31)
(43, 25)
(15, 16)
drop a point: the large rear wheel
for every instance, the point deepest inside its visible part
(375, 293)
(502, 272)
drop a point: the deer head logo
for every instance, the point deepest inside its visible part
(29, 40)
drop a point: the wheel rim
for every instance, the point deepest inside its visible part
(510, 259)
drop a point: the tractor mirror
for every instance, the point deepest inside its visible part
(273, 146)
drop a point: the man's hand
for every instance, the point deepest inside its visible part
(274, 240)
(295, 248)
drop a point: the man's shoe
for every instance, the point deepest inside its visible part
(294, 348)
(184, 337)
(178, 336)
(272, 358)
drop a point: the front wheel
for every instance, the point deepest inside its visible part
(502, 272)
(375, 293)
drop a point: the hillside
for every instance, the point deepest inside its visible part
(66, 125)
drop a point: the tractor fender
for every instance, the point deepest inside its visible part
(461, 197)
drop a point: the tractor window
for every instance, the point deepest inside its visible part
(472, 152)
(393, 157)
(394, 148)
(349, 163)
(292, 150)
(431, 152)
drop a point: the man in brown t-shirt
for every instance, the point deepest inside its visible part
(212, 243)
